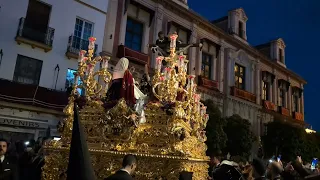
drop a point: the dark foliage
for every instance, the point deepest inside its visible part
(289, 141)
(216, 137)
(239, 135)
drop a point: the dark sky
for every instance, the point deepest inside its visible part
(296, 21)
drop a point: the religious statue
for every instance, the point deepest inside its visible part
(145, 83)
(162, 46)
(123, 85)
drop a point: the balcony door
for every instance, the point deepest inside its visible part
(37, 20)
(82, 31)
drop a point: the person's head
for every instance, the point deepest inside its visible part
(274, 170)
(129, 163)
(248, 172)
(258, 168)
(3, 147)
(215, 160)
(161, 35)
(184, 175)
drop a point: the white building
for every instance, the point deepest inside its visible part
(39, 44)
(252, 82)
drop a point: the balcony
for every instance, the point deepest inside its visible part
(32, 95)
(297, 116)
(243, 94)
(134, 56)
(269, 105)
(207, 83)
(34, 37)
(284, 111)
(76, 44)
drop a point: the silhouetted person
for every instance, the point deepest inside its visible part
(8, 168)
(129, 164)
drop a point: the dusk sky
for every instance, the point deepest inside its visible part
(296, 21)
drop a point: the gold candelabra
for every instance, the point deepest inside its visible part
(90, 78)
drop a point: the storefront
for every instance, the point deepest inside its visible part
(20, 125)
(27, 111)
(13, 128)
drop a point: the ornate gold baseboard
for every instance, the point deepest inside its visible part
(107, 162)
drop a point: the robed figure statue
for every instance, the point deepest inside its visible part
(123, 85)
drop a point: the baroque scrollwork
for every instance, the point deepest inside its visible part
(164, 142)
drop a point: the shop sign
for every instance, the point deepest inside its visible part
(15, 122)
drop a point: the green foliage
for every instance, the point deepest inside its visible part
(239, 135)
(216, 138)
(289, 141)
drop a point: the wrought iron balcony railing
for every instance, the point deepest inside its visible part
(75, 44)
(31, 34)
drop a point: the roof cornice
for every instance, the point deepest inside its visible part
(208, 26)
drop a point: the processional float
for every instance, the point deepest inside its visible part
(171, 140)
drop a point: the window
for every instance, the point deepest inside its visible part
(206, 65)
(70, 80)
(239, 73)
(37, 20)
(281, 58)
(265, 90)
(27, 70)
(241, 32)
(82, 31)
(282, 97)
(295, 102)
(134, 33)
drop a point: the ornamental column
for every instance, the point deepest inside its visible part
(110, 25)
(275, 89)
(157, 29)
(253, 69)
(258, 81)
(302, 102)
(193, 51)
(289, 99)
(220, 69)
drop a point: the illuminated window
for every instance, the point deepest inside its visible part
(239, 73)
(265, 90)
(295, 102)
(70, 80)
(206, 65)
(282, 97)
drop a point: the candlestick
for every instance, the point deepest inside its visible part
(92, 41)
(173, 38)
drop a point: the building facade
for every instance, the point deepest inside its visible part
(40, 41)
(252, 82)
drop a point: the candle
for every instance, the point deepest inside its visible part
(89, 69)
(81, 55)
(173, 38)
(105, 62)
(203, 110)
(92, 41)
(181, 61)
(159, 62)
(167, 72)
(76, 79)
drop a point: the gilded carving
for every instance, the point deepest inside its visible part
(164, 144)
